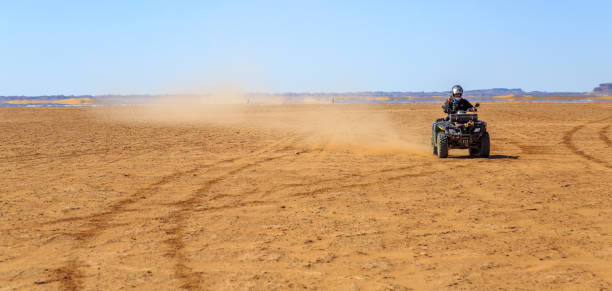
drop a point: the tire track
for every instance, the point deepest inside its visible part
(232, 206)
(68, 276)
(71, 272)
(38, 156)
(283, 187)
(568, 140)
(189, 278)
(602, 135)
(176, 243)
(43, 160)
(120, 206)
(365, 184)
(294, 185)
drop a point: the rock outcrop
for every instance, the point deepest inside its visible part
(603, 89)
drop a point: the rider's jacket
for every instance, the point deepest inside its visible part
(452, 105)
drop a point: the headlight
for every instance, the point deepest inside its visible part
(477, 129)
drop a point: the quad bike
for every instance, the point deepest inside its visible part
(461, 130)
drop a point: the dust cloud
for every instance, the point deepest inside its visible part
(361, 128)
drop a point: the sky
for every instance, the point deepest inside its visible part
(162, 47)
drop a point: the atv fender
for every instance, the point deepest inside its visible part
(440, 127)
(437, 127)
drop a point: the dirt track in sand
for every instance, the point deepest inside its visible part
(88, 203)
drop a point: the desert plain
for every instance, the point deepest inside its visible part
(336, 197)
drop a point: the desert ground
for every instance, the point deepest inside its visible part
(303, 197)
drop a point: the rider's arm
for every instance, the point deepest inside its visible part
(445, 106)
(468, 105)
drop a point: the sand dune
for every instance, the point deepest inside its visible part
(303, 196)
(66, 101)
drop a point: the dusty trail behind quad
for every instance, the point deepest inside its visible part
(90, 203)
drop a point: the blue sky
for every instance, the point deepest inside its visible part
(132, 47)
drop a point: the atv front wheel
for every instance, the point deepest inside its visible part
(485, 145)
(442, 145)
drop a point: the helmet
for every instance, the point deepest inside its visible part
(457, 91)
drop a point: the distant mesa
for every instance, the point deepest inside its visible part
(601, 93)
(603, 89)
(494, 92)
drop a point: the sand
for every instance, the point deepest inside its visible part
(296, 197)
(67, 101)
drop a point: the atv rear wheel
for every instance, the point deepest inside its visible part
(434, 148)
(442, 145)
(485, 145)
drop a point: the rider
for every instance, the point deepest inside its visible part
(456, 102)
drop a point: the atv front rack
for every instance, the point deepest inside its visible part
(462, 118)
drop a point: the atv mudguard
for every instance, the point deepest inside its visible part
(437, 126)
